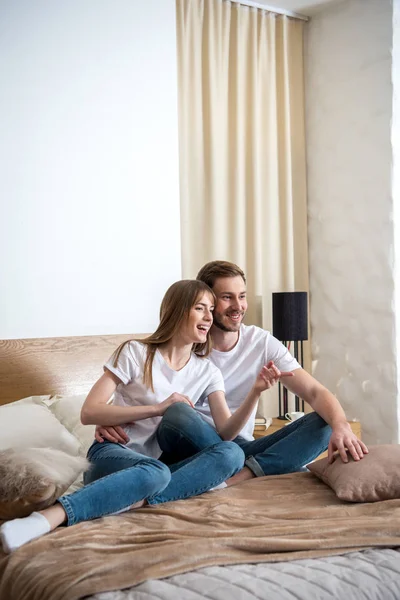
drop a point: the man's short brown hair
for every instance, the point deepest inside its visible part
(219, 268)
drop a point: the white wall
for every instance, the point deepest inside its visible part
(89, 226)
(396, 169)
(351, 242)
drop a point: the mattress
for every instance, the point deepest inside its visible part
(371, 574)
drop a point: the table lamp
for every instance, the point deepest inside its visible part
(290, 324)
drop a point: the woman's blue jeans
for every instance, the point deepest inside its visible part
(182, 432)
(119, 477)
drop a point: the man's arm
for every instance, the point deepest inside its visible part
(328, 407)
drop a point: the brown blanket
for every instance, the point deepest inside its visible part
(268, 519)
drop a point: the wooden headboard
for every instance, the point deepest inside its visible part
(66, 365)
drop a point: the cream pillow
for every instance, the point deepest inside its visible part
(67, 409)
(28, 423)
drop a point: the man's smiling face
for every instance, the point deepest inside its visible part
(231, 303)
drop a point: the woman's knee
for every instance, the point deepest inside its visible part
(178, 412)
(232, 453)
(146, 478)
(158, 476)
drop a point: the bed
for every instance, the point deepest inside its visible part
(277, 537)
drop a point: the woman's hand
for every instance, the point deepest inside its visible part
(116, 434)
(112, 433)
(269, 376)
(173, 399)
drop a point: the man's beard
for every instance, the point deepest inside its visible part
(218, 323)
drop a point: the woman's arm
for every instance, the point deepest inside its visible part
(96, 411)
(228, 425)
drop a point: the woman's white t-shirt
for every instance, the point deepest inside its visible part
(197, 379)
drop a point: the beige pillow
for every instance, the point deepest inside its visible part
(374, 477)
(33, 478)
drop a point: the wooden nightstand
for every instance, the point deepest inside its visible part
(279, 423)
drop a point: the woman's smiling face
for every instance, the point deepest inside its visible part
(199, 321)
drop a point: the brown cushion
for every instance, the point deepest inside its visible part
(374, 477)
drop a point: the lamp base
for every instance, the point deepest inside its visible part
(283, 401)
(283, 393)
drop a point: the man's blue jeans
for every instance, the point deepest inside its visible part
(119, 477)
(183, 432)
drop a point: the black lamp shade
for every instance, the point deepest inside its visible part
(289, 315)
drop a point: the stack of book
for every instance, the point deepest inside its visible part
(262, 423)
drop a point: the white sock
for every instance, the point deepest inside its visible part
(18, 532)
(221, 486)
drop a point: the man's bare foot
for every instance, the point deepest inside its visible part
(138, 504)
(243, 475)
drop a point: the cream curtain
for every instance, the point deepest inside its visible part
(242, 146)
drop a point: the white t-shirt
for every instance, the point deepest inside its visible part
(198, 378)
(241, 365)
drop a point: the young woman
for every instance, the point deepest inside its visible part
(146, 378)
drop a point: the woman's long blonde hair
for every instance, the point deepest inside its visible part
(175, 307)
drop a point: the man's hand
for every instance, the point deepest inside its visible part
(269, 376)
(111, 433)
(173, 399)
(342, 437)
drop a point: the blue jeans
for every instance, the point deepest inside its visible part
(183, 432)
(119, 477)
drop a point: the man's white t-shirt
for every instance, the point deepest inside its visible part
(197, 379)
(241, 365)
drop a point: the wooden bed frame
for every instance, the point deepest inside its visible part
(96, 557)
(61, 365)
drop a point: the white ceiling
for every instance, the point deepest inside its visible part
(304, 7)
